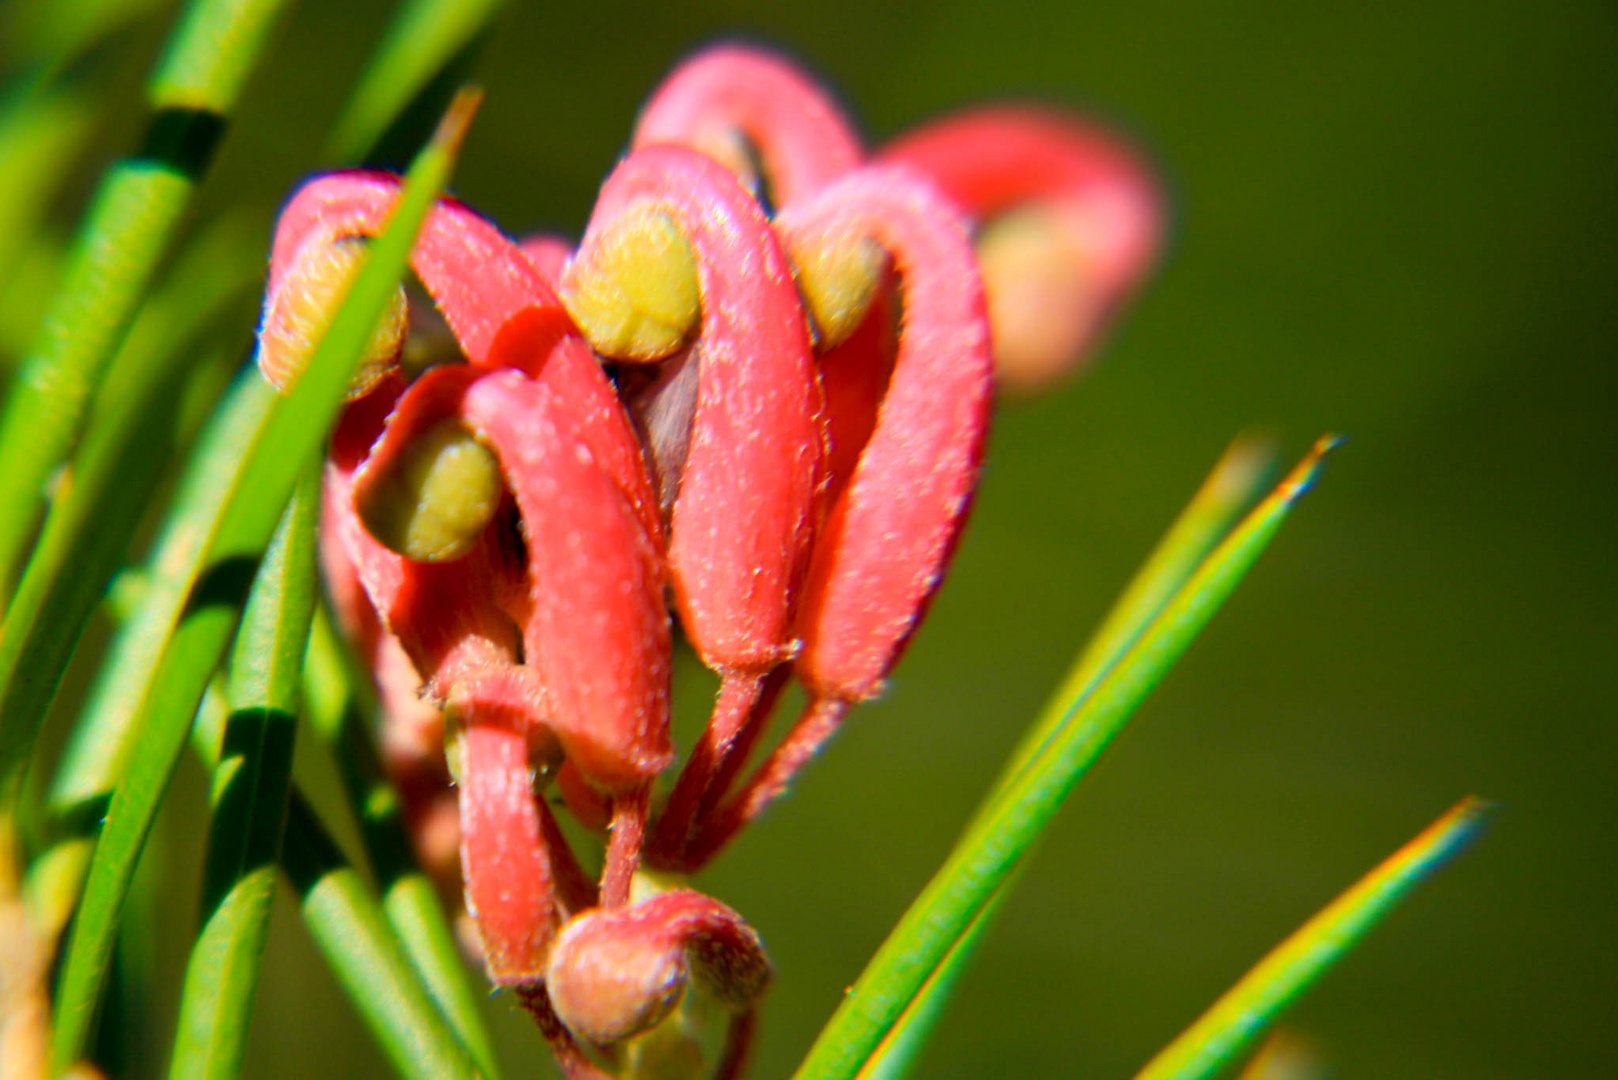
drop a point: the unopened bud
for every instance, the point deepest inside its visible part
(838, 275)
(616, 973)
(632, 289)
(433, 502)
(301, 308)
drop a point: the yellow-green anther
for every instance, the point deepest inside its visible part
(838, 277)
(633, 289)
(302, 307)
(432, 503)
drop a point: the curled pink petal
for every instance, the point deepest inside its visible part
(741, 516)
(498, 303)
(596, 637)
(732, 92)
(445, 615)
(887, 537)
(477, 276)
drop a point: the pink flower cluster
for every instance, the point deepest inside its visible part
(753, 396)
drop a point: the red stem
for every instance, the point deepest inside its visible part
(738, 1046)
(574, 890)
(569, 1055)
(625, 835)
(763, 709)
(818, 723)
(738, 694)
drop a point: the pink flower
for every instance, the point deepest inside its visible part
(708, 410)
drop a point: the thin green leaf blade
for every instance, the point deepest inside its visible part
(1245, 1011)
(128, 227)
(409, 900)
(249, 800)
(993, 846)
(1230, 488)
(342, 916)
(899, 1054)
(293, 431)
(93, 517)
(352, 934)
(423, 41)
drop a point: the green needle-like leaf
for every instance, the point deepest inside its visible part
(95, 514)
(292, 434)
(900, 1052)
(341, 915)
(994, 844)
(125, 232)
(40, 134)
(1233, 485)
(352, 934)
(1245, 1011)
(427, 39)
(249, 799)
(102, 742)
(409, 900)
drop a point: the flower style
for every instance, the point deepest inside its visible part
(754, 397)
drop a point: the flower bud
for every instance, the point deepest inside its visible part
(616, 973)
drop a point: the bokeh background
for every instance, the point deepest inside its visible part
(1392, 220)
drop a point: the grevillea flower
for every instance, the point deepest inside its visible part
(751, 402)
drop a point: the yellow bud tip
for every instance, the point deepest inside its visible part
(301, 309)
(1043, 307)
(434, 501)
(838, 277)
(633, 289)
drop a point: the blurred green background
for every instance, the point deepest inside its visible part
(1394, 221)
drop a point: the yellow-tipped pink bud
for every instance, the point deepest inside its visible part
(433, 502)
(838, 277)
(632, 289)
(298, 312)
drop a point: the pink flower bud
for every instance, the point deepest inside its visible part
(615, 974)
(890, 532)
(740, 517)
